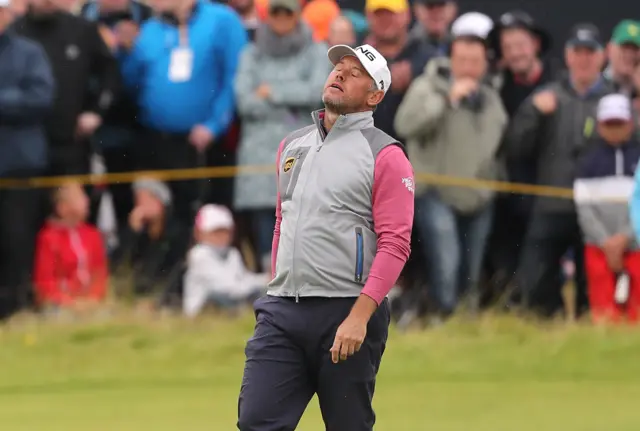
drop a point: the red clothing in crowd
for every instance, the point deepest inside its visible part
(70, 264)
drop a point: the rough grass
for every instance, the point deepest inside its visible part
(167, 374)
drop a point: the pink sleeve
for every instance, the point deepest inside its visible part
(393, 200)
(276, 229)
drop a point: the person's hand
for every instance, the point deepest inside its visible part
(200, 137)
(401, 75)
(137, 219)
(349, 338)
(462, 88)
(126, 33)
(263, 91)
(88, 123)
(546, 102)
(614, 249)
(109, 37)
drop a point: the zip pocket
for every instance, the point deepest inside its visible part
(359, 255)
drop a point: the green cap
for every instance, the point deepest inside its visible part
(292, 5)
(627, 31)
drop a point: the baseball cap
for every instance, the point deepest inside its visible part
(435, 2)
(156, 187)
(472, 24)
(614, 107)
(585, 35)
(213, 217)
(518, 20)
(292, 5)
(627, 31)
(396, 6)
(372, 61)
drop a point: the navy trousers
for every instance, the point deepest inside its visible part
(288, 361)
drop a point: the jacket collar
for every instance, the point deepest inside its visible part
(355, 121)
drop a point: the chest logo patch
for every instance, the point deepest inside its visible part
(288, 164)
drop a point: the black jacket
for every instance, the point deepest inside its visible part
(77, 53)
(124, 112)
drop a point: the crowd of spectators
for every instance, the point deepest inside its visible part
(179, 84)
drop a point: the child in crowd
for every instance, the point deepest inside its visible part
(215, 271)
(602, 190)
(70, 263)
(155, 243)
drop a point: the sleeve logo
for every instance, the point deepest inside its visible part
(408, 183)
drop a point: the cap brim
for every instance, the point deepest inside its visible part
(627, 41)
(338, 52)
(590, 44)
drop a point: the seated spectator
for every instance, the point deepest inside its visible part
(70, 265)
(341, 32)
(453, 122)
(279, 82)
(155, 242)
(602, 189)
(216, 273)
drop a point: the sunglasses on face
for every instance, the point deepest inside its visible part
(279, 10)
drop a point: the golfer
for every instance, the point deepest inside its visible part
(342, 236)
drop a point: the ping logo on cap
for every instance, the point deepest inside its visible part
(366, 53)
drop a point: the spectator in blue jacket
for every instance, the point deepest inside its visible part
(26, 95)
(181, 68)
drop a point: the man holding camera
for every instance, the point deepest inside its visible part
(453, 122)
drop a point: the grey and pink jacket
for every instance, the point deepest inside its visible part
(344, 211)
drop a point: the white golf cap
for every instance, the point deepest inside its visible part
(5, 3)
(372, 61)
(614, 107)
(213, 217)
(472, 24)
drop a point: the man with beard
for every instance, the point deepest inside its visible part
(342, 235)
(77, 54)
(407, 57)
(519, 44)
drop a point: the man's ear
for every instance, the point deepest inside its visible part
(375, 97)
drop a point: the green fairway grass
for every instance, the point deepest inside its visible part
(497, 374)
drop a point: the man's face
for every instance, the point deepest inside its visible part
(282, 21)
(468, 59)
(165, 6)
(519, 50)
(584, 63)
(5, 18)
(436, 17)
(615, 132)
(341, 32)
(387, 26)
(349, 88)
(44, 6)
(113, 5)
(153, 207)
(623, 58)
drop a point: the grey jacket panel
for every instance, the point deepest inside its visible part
(327, 239)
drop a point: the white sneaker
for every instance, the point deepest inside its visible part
(622, 289)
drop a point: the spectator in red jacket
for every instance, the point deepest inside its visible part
(70, 265)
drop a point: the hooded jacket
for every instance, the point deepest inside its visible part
(460, 141)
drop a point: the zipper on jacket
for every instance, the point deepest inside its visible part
(359, 255)
(619, 163)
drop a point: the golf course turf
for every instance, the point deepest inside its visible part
(494, 374)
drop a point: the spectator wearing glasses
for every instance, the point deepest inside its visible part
(602, 190)
(554, 127)
(623, 52)
(279, 79)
